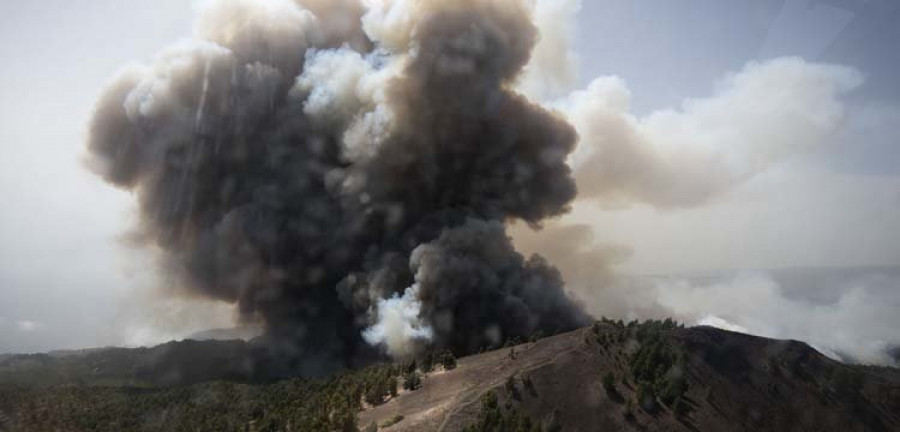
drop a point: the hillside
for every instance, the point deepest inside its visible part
(173, 363)
(663, 377)
(611, 377)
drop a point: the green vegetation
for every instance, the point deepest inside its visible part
(296, 405)
(392, 421)
(657, 363)
(412, 381)
(191, 385)
(681, 408)
(536, 336)
(628, 412)
(511, 390)
(496, 418)
(529, 385)
(609, 382)
(511, 342)
(392, 386)
(448, 360)
(646, 397)
(426, 362)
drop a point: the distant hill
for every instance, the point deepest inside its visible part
(173, 363)
(610, 377)
(233, 333)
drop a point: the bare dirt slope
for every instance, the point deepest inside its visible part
(732, 382)
(446, 397)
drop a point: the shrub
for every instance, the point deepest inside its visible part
(410, 367)
(673, 390)
(392, 421)
(646, 397)
(412, 381)
(628, 412)
(493, 417)
(448, 360)
(511, 388)
(658, 365)
(681, 408)
(609, 382)
(427, 363)
(392, 386)
(529, 385)
(376, 392)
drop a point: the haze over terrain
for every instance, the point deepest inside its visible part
(735, 166)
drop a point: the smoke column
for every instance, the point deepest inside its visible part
(339, 170)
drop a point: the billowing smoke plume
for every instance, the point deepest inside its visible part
(685, 157)
(338, 170)
(552, 71)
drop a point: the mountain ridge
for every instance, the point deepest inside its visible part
(656, 375)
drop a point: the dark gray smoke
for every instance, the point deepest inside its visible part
(310, 160)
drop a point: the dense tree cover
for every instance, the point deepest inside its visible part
(497, 417)
(657, 363)
(290, 405)
(113, 390)
(190, 385)
(506, 416)
(412, 381)
(174, 363)
(448, 360)
(609, 383)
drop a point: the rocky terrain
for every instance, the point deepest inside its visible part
(664, 378)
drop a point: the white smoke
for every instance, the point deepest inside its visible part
(390, 23)
(346, 89)
(714, 321)
(399, 324)
(677, 158)
(858, 323)
(552, 71)
(283, 27)
(687, 156)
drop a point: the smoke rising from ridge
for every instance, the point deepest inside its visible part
(399, 324)
(310, 161)
(344, 171)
